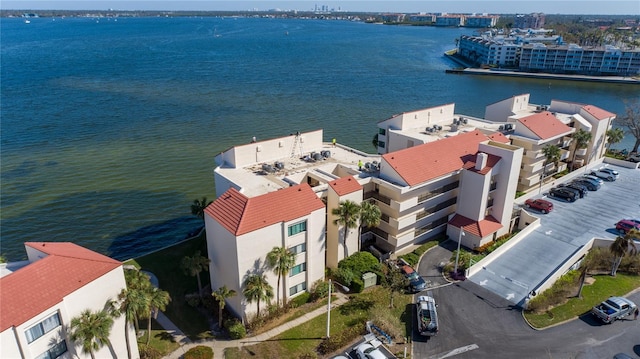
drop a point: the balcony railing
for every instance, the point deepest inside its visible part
(378, 197)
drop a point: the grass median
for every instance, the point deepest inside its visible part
(602, 288)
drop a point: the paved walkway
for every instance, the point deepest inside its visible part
(219, 345)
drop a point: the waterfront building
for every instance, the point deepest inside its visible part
(449, 20)
(529, 21)
(435, 172)
(499, 50)
(574, 59)
(532, 127)
(41, 296)
(481, 21)
(423, 18)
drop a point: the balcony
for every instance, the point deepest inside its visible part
(566, 142)
(581, 152)
(564, 154)
(378, 197)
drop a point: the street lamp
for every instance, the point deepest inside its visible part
(344, 288)
(455, 270)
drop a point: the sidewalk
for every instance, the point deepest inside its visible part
(219, 345)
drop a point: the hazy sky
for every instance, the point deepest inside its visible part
(616, 7)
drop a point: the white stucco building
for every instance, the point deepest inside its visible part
(41, 296)
(435, 172)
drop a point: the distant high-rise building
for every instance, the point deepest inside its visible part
(531, 21)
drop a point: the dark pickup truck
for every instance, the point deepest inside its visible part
(613, 308)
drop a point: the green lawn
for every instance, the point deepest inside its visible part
(160, 339)
(603, 287)
(165, 264)
(306, 337)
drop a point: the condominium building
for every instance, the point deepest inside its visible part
(482, 21)
(449, 20)
(435, 172)
(41, 296)
(532, 127)
(574, 59)
(529, 21)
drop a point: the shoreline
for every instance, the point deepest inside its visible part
(547, 76)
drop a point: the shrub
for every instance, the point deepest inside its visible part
(411, 258)
(344, 275)
(339, 340)
(300, 300)
(235, 328)
(357, 286)
(319, 290)
(565, 286)
(148, 352)
(199, 352)
(308, 355)
(360, 263)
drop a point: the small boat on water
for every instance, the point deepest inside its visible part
(27, 21)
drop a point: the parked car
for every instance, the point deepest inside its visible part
(595, 178)
(416, 283)
(625, 225)
(577, 186)
(590, 184)
(634, 157)
(613, 309)
(564, 193)
(541, 205)
(576, 191)
(368, 351)
(606, 173)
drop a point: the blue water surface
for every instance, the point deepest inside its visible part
(109, 127)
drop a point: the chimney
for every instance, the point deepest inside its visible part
(481, 161)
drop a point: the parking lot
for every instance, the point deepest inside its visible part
(514, 274)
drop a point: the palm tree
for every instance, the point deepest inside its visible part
(132, 301)
(197, 208)
(92, 330)
(551, 155)
(614, 135)
(348, 213)
(194, 265)
(621, 246)
(257, 288)
(581, 139)
(281, 260)
(157, 301)
(221, 296)
(369, 217)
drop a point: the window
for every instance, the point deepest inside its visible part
(42, 328)
(297, 228)
(297, 288)
(381, 144)
(298, 269)
(382, 131)
(300, 248)
(54, 352)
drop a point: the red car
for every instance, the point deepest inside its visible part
(625, 225)
(539, 204)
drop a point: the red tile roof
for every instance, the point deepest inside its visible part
(545, 125)
(44, 283)
(499, 137)
(345, 185)
(240, 214)
(481, 228)
(597, 112)
(492, 160)
(431, 160)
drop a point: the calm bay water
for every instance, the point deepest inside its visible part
(109, 128)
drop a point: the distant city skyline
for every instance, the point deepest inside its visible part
(589, 7)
